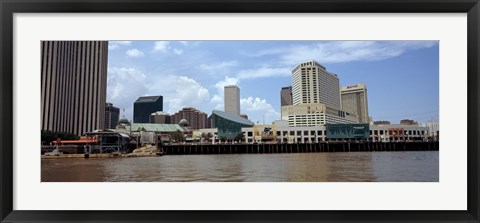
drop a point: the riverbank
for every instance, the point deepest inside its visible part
(101, 156)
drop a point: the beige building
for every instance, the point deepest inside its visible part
(232, 99)
(195, 118)
(312, 83)
(354, 100)
(73, 85)
(160, 117)
(315, 114)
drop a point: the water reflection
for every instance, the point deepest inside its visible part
(299, 167)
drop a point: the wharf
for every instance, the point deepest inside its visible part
(185, 149)
(101, 155)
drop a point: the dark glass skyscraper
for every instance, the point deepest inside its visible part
(73, 85)
(145, 106)
(111, 116)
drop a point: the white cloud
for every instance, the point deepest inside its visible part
(124, 86)
(165, 47)
(112, 45)
(263, 72)
(189, 43)
(344, 51)
(121, 42)
(178, 51)
(217, 66)
(135, 53)
(185, 43)
(161, 46)
(259, 110)
(188, 93)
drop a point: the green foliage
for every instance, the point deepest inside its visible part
(48, 136)
(178, 136)
(239, 137)
(140, 129)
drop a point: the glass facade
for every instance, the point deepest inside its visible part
(145, 106)
(347, 131)
(228, 126)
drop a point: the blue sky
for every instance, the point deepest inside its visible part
(402, 77)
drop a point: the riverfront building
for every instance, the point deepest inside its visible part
(195, 118)
(354, 100)
(312, 83)
(145, 106)
(314, 114)
(228, 125)
(73, 85)
(232, 99)
(160, 117)
(111, 116)
(280, 132)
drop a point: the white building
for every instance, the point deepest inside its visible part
(312, 83)
(315, 114)
(354, 100)
(398, 132)
(280, 132)
(433, 128)
(232, 99)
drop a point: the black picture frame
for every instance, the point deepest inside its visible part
(10, 7)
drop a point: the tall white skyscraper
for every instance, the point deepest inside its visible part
(232, 99)
(312, 83)
(354, 100)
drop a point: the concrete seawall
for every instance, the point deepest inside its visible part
(186, 149)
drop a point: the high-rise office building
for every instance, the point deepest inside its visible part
(312, 83)
(232, 99)
(354, 100)
(145, 106)
(112, 115)
(195, 118)
(73, 85)
(286, 96)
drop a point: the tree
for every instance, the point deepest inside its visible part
(178, 136)
(141, 129)
(239, 137)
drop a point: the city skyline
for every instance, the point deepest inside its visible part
(402, 76)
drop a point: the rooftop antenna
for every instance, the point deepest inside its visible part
(124, 112)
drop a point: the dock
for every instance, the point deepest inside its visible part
(186, 149)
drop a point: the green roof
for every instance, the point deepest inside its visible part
(149, 127)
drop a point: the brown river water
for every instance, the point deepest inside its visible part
(418, 166)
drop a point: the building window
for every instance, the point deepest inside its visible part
(249, 133)
(305, 133)
(299, 133)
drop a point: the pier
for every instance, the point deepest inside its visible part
(186, 149)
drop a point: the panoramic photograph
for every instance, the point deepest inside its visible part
(240, 111)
